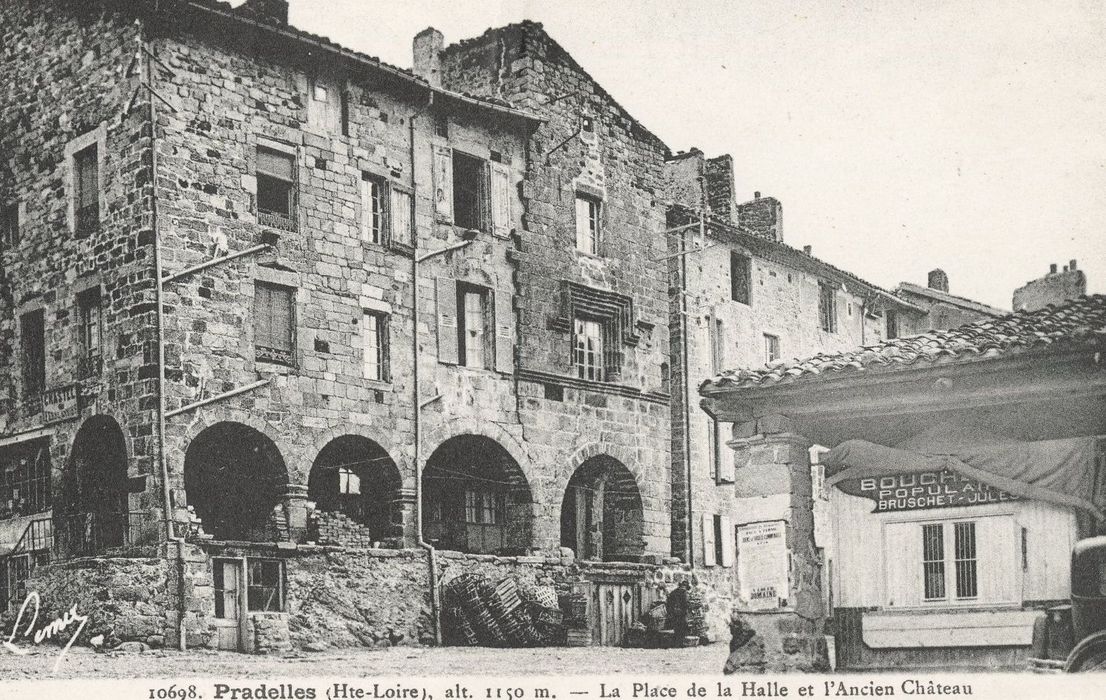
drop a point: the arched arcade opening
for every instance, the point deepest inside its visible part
(601, 514)
(355, 476)
(94, 513)
(476, 498)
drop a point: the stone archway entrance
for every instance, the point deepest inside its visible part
(601, 514)
(95, 513)
(353, 475)
(235, 479)
(476, 498)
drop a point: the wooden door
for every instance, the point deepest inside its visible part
(617, 605)
(229, 612)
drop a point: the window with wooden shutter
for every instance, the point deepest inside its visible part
(504, 332)
(470, 191)
(86, 163)
(443, 183)
(474, 332)
(587, 224)
(728, 534)
(274, 329)
(707, 529)
(827, 307)
(446, 289)
(32, 341)
(401, 221)
(726, 455)
(375, 337)
(374, 203)
(500, 175)
(276, 189)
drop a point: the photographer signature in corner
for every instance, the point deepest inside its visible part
(49, 631)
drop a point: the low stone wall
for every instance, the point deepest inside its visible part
(125, 599)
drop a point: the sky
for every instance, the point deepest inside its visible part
(899, 136)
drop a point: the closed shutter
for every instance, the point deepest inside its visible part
(443, 182)
(263, 316)
(282, 318)
(998, 553)
(501, 199)
(401, 217)
(504, 337)
(447, 320)
(707, 528)
(729, 546)
(902, 561)
(726, 470)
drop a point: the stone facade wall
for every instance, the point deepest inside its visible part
(763, 216)
(1053, 288)
(73, 89)
(587, 146)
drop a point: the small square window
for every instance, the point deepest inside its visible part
(265, 585)
(771, 348)
(319, 93)
(588, 224)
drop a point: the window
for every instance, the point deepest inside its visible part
(741, 275)
(345, 113)
(716, 342)
(712, 448)
(14, 572)
(274, 331)
(9, 226)
(87, 179)
(319, 93)
(473, 327)
(587, 224)
(964, 561)
(24, 478)
(399, 214)
(469, 191)
(32, 339)
(719, 540)
(265, 585)
(349, 483)
(589, 356)
(483, 508)
(964, 543)
(441, 126)
(827, 307)
(374, 200)
(375, 330)
(276, 189)
(892, 324)
(933, 562)
(771, 348)
(224, 577)
(90, 333)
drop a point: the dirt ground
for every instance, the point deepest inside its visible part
(396, 661)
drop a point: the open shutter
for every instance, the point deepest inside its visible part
(500, 199)
(504, 338)
(729, 546)
(902, 561)
(707, 528)
(726, 454)
(447, 320)
(443, 182)
(400, 214)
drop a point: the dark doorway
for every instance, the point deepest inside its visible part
(355, 476)
(601, 515)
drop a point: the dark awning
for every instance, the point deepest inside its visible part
(1064, 472)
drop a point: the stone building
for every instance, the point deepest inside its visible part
(942, 309)
(1053, 288)
(281, 318)
(742, 298)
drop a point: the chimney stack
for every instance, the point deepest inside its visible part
(1071, 266)
(1053, 288)
(939, 280)
(1052, 269)
(427, 49)
(762, 217)
(806, 249)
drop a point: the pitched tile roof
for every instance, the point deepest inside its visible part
(293, 33)
(1078, 323)
(907, 288)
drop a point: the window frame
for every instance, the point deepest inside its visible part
(267, 217)
(581, 323)
(741, 286)
(382, 345)
(278, 586)
(772, 350)
(481, 192)
(891, 317)
(270, 354)
(827, 307)
(380, 183)
(32, 354)
(86, 205)
(11, 220)
(30, 472)
(91, 356)
(466, 290)
(590, 240)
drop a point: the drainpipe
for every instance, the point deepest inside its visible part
(167, 501)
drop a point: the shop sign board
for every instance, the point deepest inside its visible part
(923, 490)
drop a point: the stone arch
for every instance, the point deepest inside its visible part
(476, 498)
(602, 516)
(354, 475)
(94, 511)
(235, 478)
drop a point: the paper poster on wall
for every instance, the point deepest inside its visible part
(762, 565)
